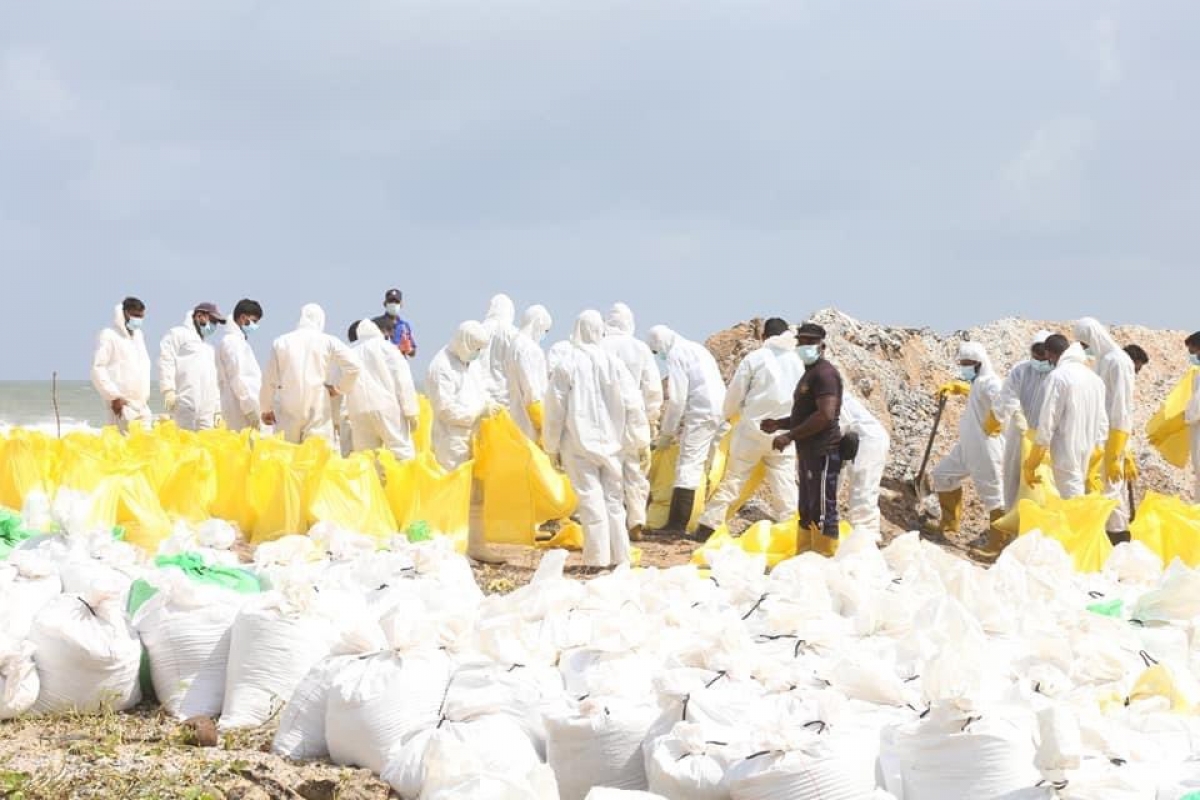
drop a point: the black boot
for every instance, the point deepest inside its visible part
(682, 501)
(701, 533)
(1119, 538)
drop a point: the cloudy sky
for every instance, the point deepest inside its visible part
(929, 162)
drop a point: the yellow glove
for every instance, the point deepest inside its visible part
(1114, 456)
(1131, 468)
(644, 458)
(953, 388)
(1036, 456)
(536, 416)
(1095, 481)
(170, 400)
(991, 425)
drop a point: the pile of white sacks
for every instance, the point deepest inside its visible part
(903, 673)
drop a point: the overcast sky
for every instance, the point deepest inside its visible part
(928, 163)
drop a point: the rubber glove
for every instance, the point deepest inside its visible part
(536, 415)
(414, 422)
(1036, 456)
(556, 461)
(170, 400)
(991, 425)
(664, 441)
(1131, 468)
(644, 460)
(1114, 456)
(1095, 480)
(953, 389)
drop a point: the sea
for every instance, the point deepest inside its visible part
(30, 404)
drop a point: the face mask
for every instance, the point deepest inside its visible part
(250, 327)
(1194, 359)
(1087, 351)
(809, 353)
(393, 309)
(474, 356)
(662, 357)
(1042, 366)
(134, 324)
(968, 374)
(207, 330)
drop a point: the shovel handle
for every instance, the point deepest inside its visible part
(937, 421)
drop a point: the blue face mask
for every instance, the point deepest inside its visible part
(1042, 366)
(809, 353)
(250, 327)
(474, 356)
(207, 330)
(1089, 352)
(134, 324)
(968, 373)
(1194, 359)
(662, 357)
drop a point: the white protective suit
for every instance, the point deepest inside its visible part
(619, 340)
(1072, 421)
(121, 370)
(454, 384)
(643, 367)
(1021, 400)
(976, 455)
(864, 475)
(526, 370)
(383, 398)
(496, 356)
(761, 388)
(187, 368)
(695, 401)
(1192, 417)
(297, 374)
(240, 378)
(1115, 369)
(594, 413)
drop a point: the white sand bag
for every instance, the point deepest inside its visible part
(380, 701)
(185, 628)
(19, 684)
(28, 582)
(689, 762)
(274, 642)
(87, 655)
(598, 742)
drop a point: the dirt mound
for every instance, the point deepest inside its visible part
(896, 371)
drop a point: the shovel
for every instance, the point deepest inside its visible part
(918, 484)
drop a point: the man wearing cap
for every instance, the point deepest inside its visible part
(187, 369)
(814, 429)
(402, 336)
(1021, 405)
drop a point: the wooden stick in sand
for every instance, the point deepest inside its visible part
(54, 400)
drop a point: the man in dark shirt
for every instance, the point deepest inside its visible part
(813, 428)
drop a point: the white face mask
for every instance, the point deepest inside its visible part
(809, 353)
(968, 373)
(1042, 366)
(393, 309)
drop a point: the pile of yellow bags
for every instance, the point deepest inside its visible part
(1170, 527)
(269, 488)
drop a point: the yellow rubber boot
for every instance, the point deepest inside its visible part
(804, 539)
(825, 545)
(952, 504)
(997, 540)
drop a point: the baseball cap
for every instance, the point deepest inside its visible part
(811, 329)
(393, 296)
(212, 310)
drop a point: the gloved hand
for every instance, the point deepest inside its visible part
(556, 461)
(664, 441)
(644, 457)
(1036, 456)
(953, 389)
(1095, 479)
(170, 400)
(1132, 473)
(1114, 456)
(537, 414)
(413, 422)
(991, 425)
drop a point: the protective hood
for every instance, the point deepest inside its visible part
(589, 329)
(1096, 336)
(368, 330)
(661, 339)
(312, 318)
(620, 320)
(1073, 355)
(119, 321)
(501, 311)
(783, 343)
(974, 351)
(1040, 337)
(536, 323)
(469, 339)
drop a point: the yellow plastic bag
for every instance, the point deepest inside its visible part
(1169, 527)
(231, 458)
(1160, 681)
(349, 495)
(419, 490)
(423, 436)
(569, 537)
(20, 468)
(521, 489)
(1078, 524)
(1010, 523)
(126, 499)
(283, 478)
(662, 484)
(1166, 430)
(778, 541)
(192, 487)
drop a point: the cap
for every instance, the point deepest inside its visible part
(212, 310)
(393, 296)
(811, 329)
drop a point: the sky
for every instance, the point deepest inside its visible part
(932, 163)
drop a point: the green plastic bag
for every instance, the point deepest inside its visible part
(12, 532)
(418, 532)
(1109, 608)
(192, 565)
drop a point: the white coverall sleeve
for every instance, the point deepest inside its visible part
(230, 359)
(993, 393)
(1120, 405)
(1009, 401)
(1103, 427)
(637, 427)
(451, 406)
(1052, 411)
(554, 408)
(739, 387)
(531, 375)
(1191, 415)
(651, 386)
(270, 381)
(101, 359)
(166, 364)
(406, 390)
(676, 400)
(347, 363)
